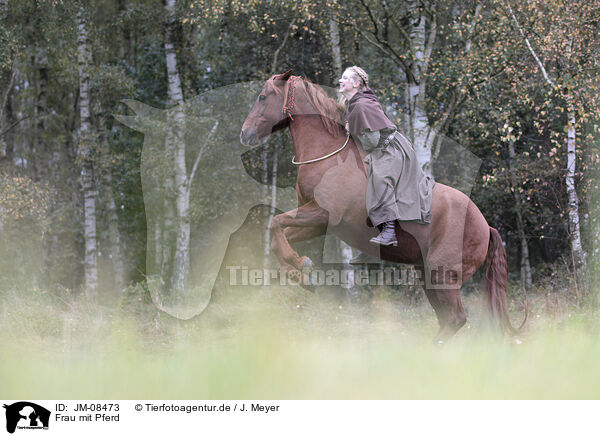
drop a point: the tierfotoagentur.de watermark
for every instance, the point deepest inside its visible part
(401, 275)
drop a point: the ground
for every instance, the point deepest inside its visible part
(285, 343)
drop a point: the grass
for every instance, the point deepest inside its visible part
(285, 344)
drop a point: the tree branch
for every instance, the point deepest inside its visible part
(441, 127)
(392, 17)
(387, 50)
(382, 45)
(371, 17)
(540, 64)
(13, 125)
(276, 55)
(195, 167)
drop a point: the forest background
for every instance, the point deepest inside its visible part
(516, 85)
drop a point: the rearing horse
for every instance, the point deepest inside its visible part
(331, 186)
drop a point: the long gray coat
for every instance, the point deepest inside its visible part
(397, 188)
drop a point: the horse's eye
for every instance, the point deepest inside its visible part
(261, 98)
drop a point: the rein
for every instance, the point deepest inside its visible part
(321, 158)
(288, 107)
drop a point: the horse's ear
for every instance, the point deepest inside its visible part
(285, 75)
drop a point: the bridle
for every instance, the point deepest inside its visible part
(288, 107)
(290, 102)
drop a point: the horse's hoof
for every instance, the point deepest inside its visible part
(310, 288)
(308, 284)
(307, 264)
(308, 281)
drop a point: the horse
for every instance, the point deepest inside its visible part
(331, 185)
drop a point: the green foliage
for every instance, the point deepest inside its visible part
(24, 205)
(22, 199)
(9, 46)
(479, 69)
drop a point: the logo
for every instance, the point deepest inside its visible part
(26, 415)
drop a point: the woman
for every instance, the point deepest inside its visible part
(397, 188)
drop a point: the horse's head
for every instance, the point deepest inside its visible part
(267, 114)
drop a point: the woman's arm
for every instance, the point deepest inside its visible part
(369, 140)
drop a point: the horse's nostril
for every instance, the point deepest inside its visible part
(247, 138)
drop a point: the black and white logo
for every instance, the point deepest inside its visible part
(26, 415)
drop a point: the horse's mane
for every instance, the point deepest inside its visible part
(332, 113)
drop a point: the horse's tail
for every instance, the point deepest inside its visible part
(494, 281)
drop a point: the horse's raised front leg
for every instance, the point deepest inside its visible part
(302, 223)
(298, 234)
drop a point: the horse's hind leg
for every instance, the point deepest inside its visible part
(455, 316)
(449, 310)
(439, 312)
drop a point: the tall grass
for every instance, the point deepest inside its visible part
(285, 344)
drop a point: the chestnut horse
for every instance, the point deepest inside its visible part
(331, 186)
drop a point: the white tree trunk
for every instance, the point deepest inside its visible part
(579, 254)
(175, 140)
(334, 36)
(416, 120)
(158, 249)
(576, 247)
(267, 241)
(165, 225)
(265, 195)
(87, 170)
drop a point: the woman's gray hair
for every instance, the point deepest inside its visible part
(361, 74)
(362, 77)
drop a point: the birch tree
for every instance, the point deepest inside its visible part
(406, 32)
(336, 52)
(85, 158)
(176, 147)
(336, 55)
(274, 152)
(561, 43)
